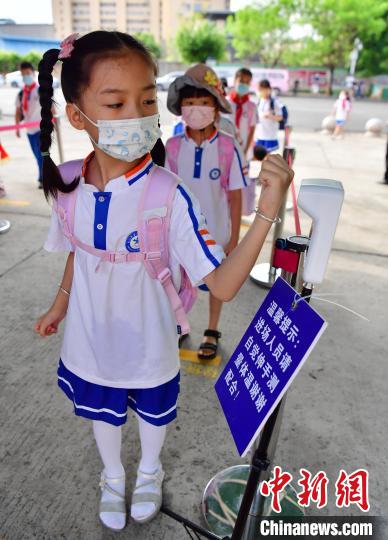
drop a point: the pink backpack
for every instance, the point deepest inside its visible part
(154, 215)
(225, 152)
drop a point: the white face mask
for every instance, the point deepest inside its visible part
(126, 140)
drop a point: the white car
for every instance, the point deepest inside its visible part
(15, 79)
(163, 83)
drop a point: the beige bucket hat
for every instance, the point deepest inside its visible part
(199, 76)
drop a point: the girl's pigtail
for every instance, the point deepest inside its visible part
(158, 153)
(52, 179)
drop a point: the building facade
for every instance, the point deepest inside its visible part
(161, 18)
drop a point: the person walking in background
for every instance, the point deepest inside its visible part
(28, 110)
(342, 108)
(270, 114)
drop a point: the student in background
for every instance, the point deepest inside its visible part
(243, 110)
(270, 114)
(342, 108)
(28, 110)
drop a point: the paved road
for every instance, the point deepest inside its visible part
(306, 113)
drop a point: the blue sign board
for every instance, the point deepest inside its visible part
(273, 349)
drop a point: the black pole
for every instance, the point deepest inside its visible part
(260, 464)
(193, 526)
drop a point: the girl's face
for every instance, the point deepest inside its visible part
(120, 88)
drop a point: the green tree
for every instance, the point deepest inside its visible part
(262, 30)
(150, 43)
(373, 58)
(9, 61)
(335, 25)
(197, 40)
(33, 57)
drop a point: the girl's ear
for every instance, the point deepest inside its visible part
(75, 117)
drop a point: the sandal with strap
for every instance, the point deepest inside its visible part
(153, 497)
(112, 506)
(213, 347)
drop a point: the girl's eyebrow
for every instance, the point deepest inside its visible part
(120, 91)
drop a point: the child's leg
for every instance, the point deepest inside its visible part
(215, 307)
(108, 439)
(152, 440)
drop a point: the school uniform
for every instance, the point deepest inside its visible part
(342, 110)
(120, 345)
(199, 169)
(247, 119)
(267, 131)
(28, 101)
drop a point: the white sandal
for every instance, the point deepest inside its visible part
(112, 506)
(155, 480)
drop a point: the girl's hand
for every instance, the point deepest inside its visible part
(231, 245)
(48, 323)
(275, 177)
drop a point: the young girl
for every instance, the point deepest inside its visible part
(210, 164)
(341, 110)
(120, 346)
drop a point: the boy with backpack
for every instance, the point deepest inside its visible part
(211, 165)
(272, 117)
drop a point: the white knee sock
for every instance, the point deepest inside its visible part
(152, 440)
(108, 439)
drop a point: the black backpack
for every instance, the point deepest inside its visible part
(284, 112)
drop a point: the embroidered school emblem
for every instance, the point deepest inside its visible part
(215, 174)
(132, 242)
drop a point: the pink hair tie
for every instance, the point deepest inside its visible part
(67, 46)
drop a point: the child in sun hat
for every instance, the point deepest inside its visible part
(211, 165)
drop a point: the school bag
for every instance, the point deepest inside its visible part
(284, 113)
(154, 214)
(225, 152)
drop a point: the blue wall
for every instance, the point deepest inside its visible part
(24, 45)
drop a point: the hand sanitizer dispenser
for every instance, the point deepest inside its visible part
(322, 201)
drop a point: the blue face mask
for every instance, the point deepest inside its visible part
(28, 79)
(242, 89)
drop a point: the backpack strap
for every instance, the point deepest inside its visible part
(154, 214)
(226, 153)
(172, 152)
(65, 205)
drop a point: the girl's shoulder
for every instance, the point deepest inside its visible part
(71, 169)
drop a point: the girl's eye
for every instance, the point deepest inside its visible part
(149, 101)
(115, 105)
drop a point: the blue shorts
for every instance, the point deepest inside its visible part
(269, 145)
(340, 122)
(156, 406)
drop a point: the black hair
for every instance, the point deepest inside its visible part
(243, 71)
(264, 84)
(26, 65)
(75, 76)
(194, 92)
(259, 152)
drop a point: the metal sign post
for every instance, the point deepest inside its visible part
(265, 274)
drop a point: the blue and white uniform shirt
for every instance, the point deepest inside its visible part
(199, 169)
(120, 329)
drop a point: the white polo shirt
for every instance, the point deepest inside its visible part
(33, 112)
(120, 330)
(199, 169)
(248, 119)
(267, 130)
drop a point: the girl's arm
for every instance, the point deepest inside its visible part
(225, 281)
(250, 139)
(48, 323)
(235, 202)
